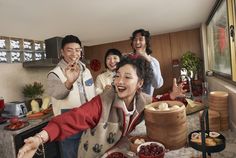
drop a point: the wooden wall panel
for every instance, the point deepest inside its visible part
(184, 41)
(166, 47)
(162, 52)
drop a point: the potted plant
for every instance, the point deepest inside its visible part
(33, 91)
(192, 63)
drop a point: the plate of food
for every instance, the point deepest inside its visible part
(118, 153)
(16, 125)
(135, 141)
(151, 150)
(36, 115)
(215, 142)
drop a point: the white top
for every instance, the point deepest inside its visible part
(128, 114)
(104, 79)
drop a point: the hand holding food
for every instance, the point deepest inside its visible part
(72, 72)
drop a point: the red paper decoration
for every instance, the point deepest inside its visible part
(222, 39)
(95, 64)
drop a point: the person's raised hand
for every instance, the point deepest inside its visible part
(72, 72)
(177, 90)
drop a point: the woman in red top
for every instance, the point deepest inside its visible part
(107, 117)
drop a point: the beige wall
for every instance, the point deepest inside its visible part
(13, 77)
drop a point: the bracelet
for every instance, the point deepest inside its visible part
(42, 150)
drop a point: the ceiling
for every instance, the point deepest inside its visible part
(99, 21)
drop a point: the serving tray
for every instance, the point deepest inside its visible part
(209, 149)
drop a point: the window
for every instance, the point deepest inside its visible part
(16, 50)
(220, 37)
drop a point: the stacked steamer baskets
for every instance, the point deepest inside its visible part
(214, 120)
(218, 101)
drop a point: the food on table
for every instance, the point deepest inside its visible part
(29, 113)
(211, 140)
(174, 107)
(116, 155)
(38, 112)
(151, 108)
(162, 107)
(46, 111)
(14, 125)
(35, 106)
(14, 120)
(214, 134)
(35, 115)
(139, 141)
(45, 104)
(152, 149)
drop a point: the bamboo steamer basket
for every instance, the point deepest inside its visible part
(219, 94)
(218, 101)
(214, 120)
(167, 127)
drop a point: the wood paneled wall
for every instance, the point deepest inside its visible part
(166, 47)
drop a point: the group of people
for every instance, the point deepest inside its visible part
(92, 118)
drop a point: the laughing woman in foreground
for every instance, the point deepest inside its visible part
(107, 117)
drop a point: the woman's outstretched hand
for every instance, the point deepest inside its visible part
(30, 147)
(177, 90)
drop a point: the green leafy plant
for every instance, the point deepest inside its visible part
(191, 62)
(33, 91)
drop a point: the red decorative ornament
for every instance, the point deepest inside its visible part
(95, 65)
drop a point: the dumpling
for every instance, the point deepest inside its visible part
(163, 106)
(174, 107)
(151, 108)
